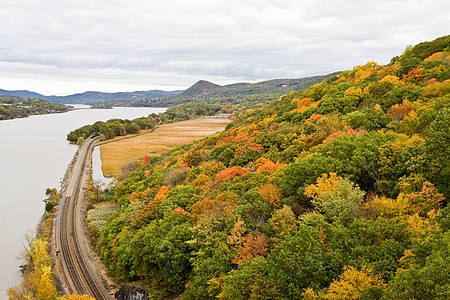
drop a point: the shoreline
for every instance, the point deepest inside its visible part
(48, 235)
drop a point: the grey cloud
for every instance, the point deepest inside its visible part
(174, 42)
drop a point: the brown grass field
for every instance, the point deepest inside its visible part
(120, 150)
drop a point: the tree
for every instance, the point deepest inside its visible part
(214, 210)
(231, 173)
(368, 119)
(133, 128)
(305, 171)
(250, 247)
(37, 281)
(428, 278)
(298, 262)
(271, 194)
(341, 204)
(250, 281)
(424, 201)
(325, 183)
(437, 145)
(182, 196)
(160, 250)
(352, 283)
(283, 222)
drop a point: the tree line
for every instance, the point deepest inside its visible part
(11, 108)
(120, 127)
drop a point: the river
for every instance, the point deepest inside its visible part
(34, 155)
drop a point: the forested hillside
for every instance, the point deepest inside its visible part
(231, 96)
(94, 98)
(11, 108)
(337, 192)
(243, 94)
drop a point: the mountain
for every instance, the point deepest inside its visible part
(245, 93)
(200, 87)
(91, 97)
(248, 94)
(21, 94)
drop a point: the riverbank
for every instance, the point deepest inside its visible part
(41, 254)
(13, 108)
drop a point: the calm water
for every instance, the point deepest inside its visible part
(34, 155)
(97, 172)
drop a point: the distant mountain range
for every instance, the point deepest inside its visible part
(92, 97)
(202, 91)
(99, 97)
(248, 93)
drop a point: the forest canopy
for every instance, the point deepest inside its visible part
(336, 192)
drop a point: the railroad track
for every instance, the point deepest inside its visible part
(72, 247)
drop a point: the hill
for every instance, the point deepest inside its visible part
(336, 192)
(237, 94)
(91, 97)
(247, 94)
(21, 94)
(232, 96)
(14, 107)
(94, 98)
(200, 87)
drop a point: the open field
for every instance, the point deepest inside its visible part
(164, 138)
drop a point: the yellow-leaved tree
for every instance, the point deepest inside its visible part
(37, 280)
(353, 282)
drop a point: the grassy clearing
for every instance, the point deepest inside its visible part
(164, 138)
(102, 211)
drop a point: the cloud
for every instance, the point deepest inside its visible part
(172, 43)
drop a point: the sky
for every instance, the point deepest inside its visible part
(61, 47)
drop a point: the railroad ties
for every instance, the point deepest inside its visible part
(74, 255)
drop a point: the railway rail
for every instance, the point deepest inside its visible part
(74, 254)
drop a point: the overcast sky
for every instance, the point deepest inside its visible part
(67, 46)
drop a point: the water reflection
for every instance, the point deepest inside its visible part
(97, 172)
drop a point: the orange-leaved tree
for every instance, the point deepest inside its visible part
(271, 194)
(231, 173)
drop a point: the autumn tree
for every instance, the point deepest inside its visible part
(298, 262)
(283, 222)
(37, 281)
(424, 201)
(428, 277)
(213, 210)
(340, 201)
(353, 282)
(271, 194)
